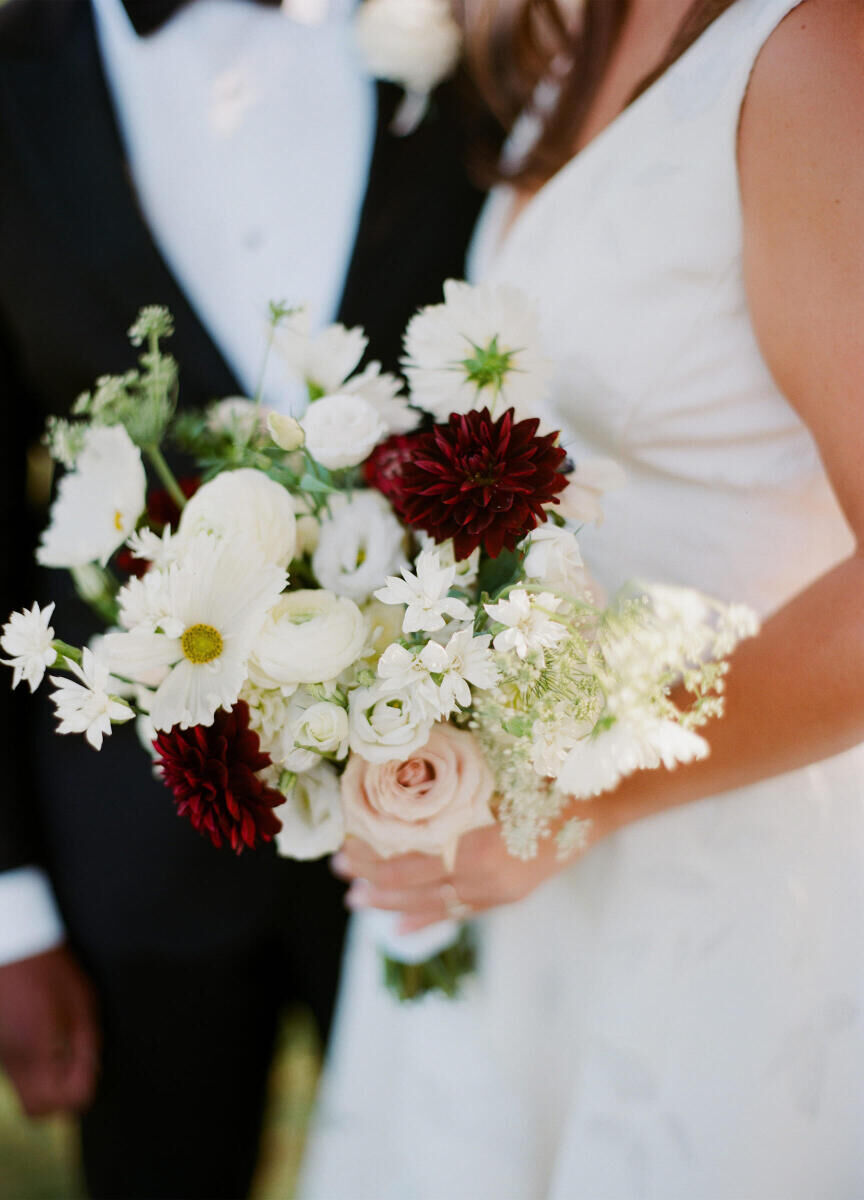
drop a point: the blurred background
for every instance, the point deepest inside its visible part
(38, 1160)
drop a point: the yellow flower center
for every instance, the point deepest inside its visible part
(118, 520)
(202, 643)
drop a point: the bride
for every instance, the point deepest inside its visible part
(678, 1014)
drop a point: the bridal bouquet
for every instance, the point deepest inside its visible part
(372, 620)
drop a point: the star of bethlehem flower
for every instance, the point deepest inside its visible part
(87, 706)
(28, 639)
(530, 622)
(441, 676)
(479, 349)
(98, 503)
(213, 604)
(425, 593)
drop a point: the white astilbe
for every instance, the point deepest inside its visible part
(28, 638)
(84, 704)
(424, 592)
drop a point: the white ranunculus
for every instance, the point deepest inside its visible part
(308, 637)
(413, 43)
(245, 506)
(358, 545)
(387, 725)
(342, 430)
(312, 820)
(478, 349)
(98, 504)
(553, 557)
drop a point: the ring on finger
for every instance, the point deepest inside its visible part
(456, 907)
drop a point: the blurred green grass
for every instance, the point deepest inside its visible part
(39, 1160)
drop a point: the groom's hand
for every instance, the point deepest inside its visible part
(49, 1036)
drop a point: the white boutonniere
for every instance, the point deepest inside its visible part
(413, 43)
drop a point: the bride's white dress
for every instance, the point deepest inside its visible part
(678, 1016)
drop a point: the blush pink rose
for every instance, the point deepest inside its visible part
(424, 803)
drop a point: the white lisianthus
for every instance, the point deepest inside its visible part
(412, 43)
(286, 432)
(342, 430)
(315, 729)
(553, 557)
(308, 637)
(425, 594)
(323, 360)
(530, 622)
(238, 417)
(597, 764)
(466, 569)
(358, 545)
(214, 604)
(87, 706)
(382, 390)
(582, 499)
(28, 638)
(244, 506)
(387, 725)
(312, 820)
(98, 503)
(478, 349)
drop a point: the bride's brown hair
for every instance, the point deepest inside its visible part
(514, 44)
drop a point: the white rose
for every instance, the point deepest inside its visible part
(386, 725)
(245, 506)
(342, 430)
(414, 43)
(312, 821)
(358, 545)
(308, 637)
(98, 503)
(315, 728)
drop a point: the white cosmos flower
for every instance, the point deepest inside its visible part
(529, 620)
(98, 504)
(308, 637)
(215, 602)
(244, 506)
(312, 820)
(358, 545)
(424, 591)
(27, 638)
(582, 499)
(413, 43)
(597, 764)
(342, 430)
(553, 557)
(385, 724)
(477, 349)
(87, 706)
(323, 360)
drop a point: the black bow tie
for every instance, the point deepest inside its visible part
(148, 15)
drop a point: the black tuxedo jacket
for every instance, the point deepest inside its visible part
(76, 263)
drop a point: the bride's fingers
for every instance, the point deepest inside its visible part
(407, 871)
(411, 901)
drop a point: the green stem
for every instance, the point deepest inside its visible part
(259, 390)
(72, 653)
(160, 466)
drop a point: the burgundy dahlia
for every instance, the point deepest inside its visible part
(383, 468)
(480, 481)
(212, 771)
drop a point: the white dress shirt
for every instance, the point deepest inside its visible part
(249, 135)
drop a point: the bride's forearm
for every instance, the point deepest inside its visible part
(794, 695)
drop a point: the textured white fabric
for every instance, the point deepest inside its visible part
(29, 920)
(679, 1016)
(249, 137)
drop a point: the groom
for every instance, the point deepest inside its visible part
(209, 159)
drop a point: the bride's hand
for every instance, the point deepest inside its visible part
(424, 891)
